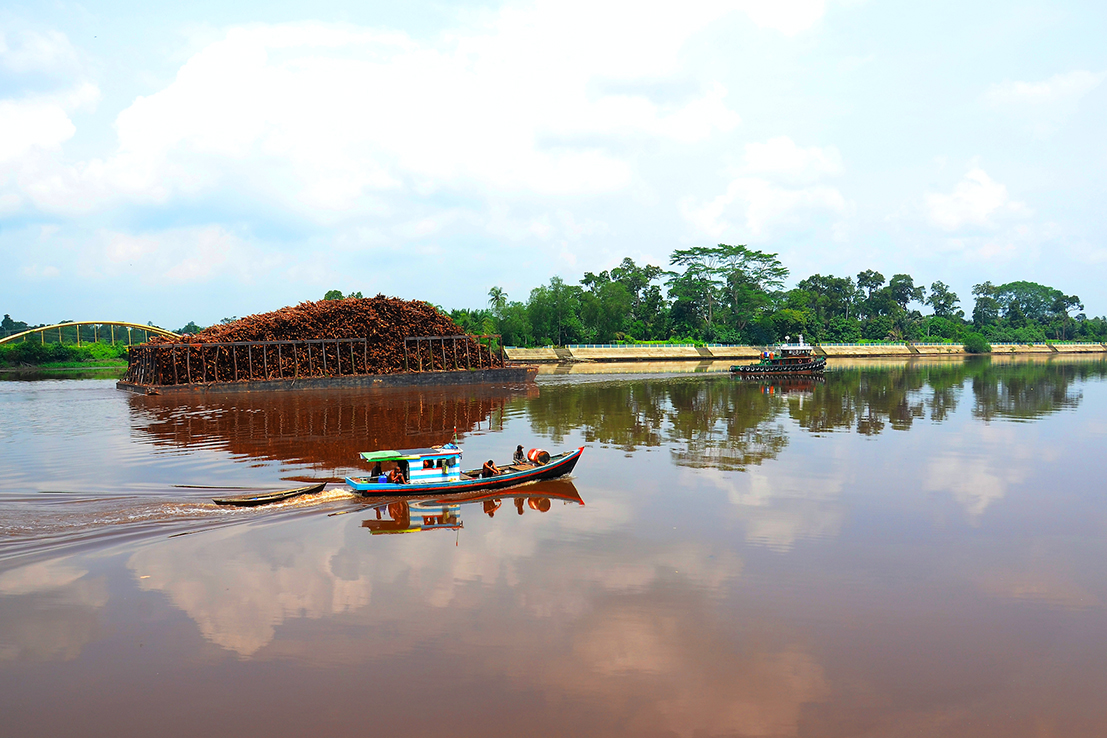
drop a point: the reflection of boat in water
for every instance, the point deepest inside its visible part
(795, 384)
(438, 470)
(787, 358)
(412, 514)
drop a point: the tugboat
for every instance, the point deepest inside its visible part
(783, 359)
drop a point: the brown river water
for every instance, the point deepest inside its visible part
(901, 549)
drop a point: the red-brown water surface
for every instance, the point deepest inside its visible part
(905, 548)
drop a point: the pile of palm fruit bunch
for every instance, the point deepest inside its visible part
(383, 323)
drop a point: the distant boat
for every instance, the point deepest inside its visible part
(438, 470)
(267, 497)
(784, 359)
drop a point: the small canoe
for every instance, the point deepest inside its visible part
(267, 497)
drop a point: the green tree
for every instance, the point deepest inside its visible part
(904, 291)
(986, 310)
(870, 281)
(190, 328)
(497, 300)
(699, 283)
(943, 301)
(554, 312)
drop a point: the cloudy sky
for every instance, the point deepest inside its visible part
(192, 161)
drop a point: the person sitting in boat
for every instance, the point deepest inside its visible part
(519, 457)
(396, 476)
(489, 470)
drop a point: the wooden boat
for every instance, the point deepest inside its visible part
(784, 359)
(438, 471)
(267, 497)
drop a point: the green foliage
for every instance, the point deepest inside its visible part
(190, 328)
(337, 295)
(976, 343)
(944, 301)
(733, 294)
(36, 353)
(878, 328)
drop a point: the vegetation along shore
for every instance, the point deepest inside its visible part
(732, 294)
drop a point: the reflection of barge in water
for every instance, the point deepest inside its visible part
(416, 513)
(788, 358)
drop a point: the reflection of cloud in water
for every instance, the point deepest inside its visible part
(781, 506)
(239, 588)
(625, 622)
(49, 611)
(978, 467)
(685, 676)
(1041, 573)
(39, 577)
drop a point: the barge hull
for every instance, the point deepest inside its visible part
(499, 376)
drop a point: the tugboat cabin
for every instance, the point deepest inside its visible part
(418, 465)
(787, 354)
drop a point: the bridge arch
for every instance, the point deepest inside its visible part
(98, 326)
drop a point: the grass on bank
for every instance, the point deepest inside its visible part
(62, 356)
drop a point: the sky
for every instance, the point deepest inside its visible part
(194, 161)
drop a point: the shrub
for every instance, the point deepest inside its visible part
(977, 344)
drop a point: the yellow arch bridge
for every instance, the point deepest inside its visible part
(91, 331)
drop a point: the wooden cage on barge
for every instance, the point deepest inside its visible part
(234, 361)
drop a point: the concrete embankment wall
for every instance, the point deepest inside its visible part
(945, 349)
(632, 353)
(888, 349)
(738, 353)
(507, 375)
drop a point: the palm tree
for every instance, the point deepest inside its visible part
(497, 300)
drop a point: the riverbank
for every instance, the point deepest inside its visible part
(687, 352)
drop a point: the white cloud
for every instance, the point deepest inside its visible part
(1058, 89)
(780, 158)
(787, 16)
(326, 119)
(977, 200)
(777, 184)
(182, 255)
(1044, 106)
(40, 123)
(32, 51)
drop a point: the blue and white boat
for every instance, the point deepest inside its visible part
(438, 470)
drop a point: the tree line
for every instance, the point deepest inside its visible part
(735, 294)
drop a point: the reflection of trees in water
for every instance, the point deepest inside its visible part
(621, 414)
(720, 422)
(326, 430)
(724, 425)
(1028, 391)
(727, 423)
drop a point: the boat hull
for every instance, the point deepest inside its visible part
(760, 370)
(558, 466)
(268, 497)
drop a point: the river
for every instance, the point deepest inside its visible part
(902, 548)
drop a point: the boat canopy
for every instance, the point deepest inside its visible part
(412, 454)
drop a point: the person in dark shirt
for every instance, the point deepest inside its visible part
(520, 457)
